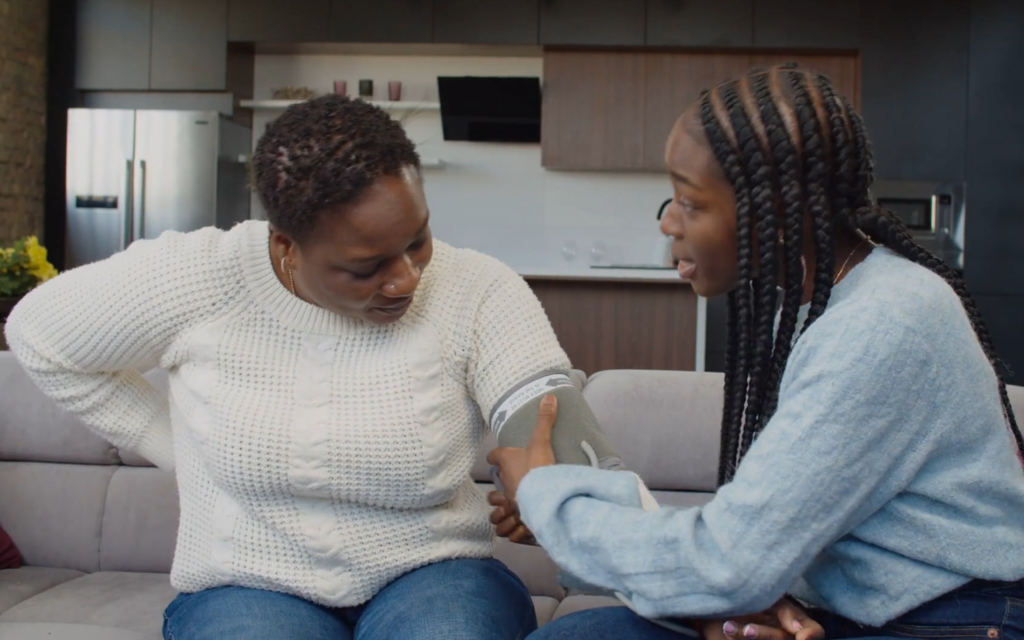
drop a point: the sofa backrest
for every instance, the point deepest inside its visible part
(70, 499)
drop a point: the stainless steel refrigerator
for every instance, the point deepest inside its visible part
(136, 174)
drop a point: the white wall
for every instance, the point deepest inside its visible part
(492, 197)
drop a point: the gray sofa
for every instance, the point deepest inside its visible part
(97, 526)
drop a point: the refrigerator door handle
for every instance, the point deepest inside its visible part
(142, 199)
(127, 228)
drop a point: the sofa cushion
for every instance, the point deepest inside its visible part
(54, 512)
(665, 424)
(131, 601)
(33, 427)
(50, 631)
(543, 605)
(572, 604)
(140, 521)
(18, 585)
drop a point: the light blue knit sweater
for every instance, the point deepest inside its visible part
(886, 478)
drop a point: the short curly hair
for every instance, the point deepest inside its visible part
(323, 153)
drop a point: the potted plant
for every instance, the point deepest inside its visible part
(23, 267)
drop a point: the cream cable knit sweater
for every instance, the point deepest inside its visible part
(316, 455)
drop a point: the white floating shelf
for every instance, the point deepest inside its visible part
(431, 163)
(389, 106)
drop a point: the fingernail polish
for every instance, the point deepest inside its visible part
(749, 631)
(797, 626)
(730, 628)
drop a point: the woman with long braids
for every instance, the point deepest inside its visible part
(869, 454)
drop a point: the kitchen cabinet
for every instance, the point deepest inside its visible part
(842, 69)
(592, 22)
(914, 63)
(812, 24)
(673, 81)
(593, 111)
(276, 21)
(189, 45)
(112, 44)
(486, 21)
(700, 23)
(139, 45)
(606, 325)
(382, 20)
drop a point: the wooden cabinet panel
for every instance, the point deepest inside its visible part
(113, 45)
(842, 69)
(592, 22)
(189, 45)
(700, 23)
(622, 325)
(815, 24)
(593, 111)
(382, 20)
(673, 82)
(276, 21)
(486, 21)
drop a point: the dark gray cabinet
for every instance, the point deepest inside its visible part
(993, 255)
(816, 24)
(700, 23)
(277, 21)
(382, 20)
(486, 21)
(113, 45)
(592, 22)
(189, 45)
(914, 64)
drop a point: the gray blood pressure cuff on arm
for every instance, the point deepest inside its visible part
(577, 437)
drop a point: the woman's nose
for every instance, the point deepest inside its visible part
(404, 279)
(671, 223)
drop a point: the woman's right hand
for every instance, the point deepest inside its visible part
(505, 518)
(784, 621)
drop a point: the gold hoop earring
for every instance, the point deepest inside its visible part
(291, 279)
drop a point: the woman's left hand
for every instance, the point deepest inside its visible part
(514, 463)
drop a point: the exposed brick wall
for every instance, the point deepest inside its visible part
(23, 28)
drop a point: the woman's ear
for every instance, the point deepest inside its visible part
(281, 245)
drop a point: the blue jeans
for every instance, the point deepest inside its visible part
(450, 600)
(977, 611)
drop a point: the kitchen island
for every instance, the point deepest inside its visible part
(623, 318)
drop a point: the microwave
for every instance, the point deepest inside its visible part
(934, 212)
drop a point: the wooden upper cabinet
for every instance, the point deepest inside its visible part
(189, 45)
(276, 21)
(674, 81)
(592, 22)
(486, 21)
(842, 69)
(593, 111)
(382, 21)
(807, 24)
(700, 23)
(113, 44)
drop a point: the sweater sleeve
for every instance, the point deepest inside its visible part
(86, 336)
(512, 339)
(837, 449)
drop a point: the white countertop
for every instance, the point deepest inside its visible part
(586, 273)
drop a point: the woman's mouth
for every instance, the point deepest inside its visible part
(396, 309)
(686, 269)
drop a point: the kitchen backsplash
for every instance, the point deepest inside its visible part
(495, 198)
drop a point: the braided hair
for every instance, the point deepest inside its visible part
(324, 153)
(793, 148)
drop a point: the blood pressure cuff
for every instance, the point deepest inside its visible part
(577, 437)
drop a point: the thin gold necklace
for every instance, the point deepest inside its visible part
(839, 274)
